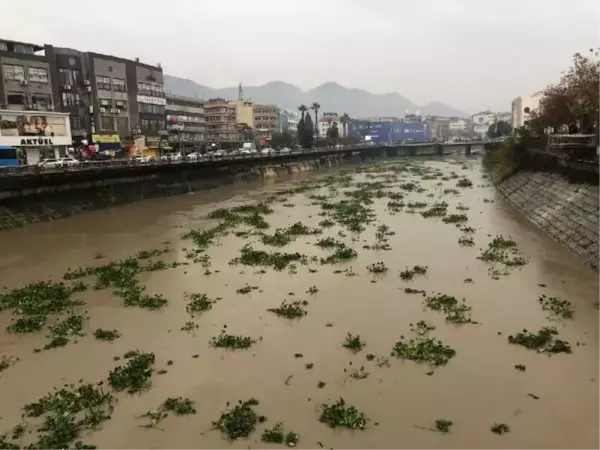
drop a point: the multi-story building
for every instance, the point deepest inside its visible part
(482, 121)
(221, 124)
(327, 121)
(185, 122)
(521, 109)
(438, 127)
(287, 121)
(265, 121)
(244, 113)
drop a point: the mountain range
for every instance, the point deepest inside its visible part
(331, 96)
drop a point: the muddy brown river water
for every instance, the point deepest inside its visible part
(476, 389)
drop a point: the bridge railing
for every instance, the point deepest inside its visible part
(119, 163)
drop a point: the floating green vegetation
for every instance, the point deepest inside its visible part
(467, 230)
(246, 289)
(34, 302)
(422, 327)
(378, 267)
(63, 330)
(503, 251)
(500, 428)
(7, 361)
(520, 367)
(466, 241)
(134, 296)
(240, 421)
(395, 205)
(415, 291)
(67, 412)
(464, 182)
(382, 362)
(288, 205)
(329, 242)
(439, 209)
(198, 303)
(461, 207)
(106, 335)
(321, 384)
(277, 260)
(455, 218)
(231, 341)
(290, 310)
(312, 290)
(544, 341)
(451, 191)
(352, 214)
(341, 415)
(284, 236)
(557, 307)
(326, 223)
(178, 405)
(456, 312)
(424, 350)
(443, 425)
(409, 274)
(353, 342)
(189, 326)
(135, 375)
(359, 374)
(274, 434)
(341, 253)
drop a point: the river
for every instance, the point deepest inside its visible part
(477, 388)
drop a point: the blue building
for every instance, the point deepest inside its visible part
(384, 132)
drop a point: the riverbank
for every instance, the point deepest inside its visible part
(53, 201)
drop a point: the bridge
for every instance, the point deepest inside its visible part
(367, 150)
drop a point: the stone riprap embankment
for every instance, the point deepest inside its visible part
(568, 211)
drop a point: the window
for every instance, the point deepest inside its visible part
(15, 98)
(38, 75)
(103, 83)
(151, 109)
(121, 104)
(69, 77)
(105, 103)
(123, 125)
(42, 100)
(118, 85)
(71, 99)
(12, 72)
(76, 122)
(27, 49)
(3, 46)
(107, 123)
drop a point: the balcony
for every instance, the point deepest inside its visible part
(188, 109)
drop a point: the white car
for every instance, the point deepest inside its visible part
(267, 151)
(53, 163)
(69, 161)
(142, 159)
(285, 150)
(193, 156)
(217, 153)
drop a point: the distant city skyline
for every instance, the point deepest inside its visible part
(468, 54)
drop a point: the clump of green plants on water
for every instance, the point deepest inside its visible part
(500, 428)
(341, 253)
(451, 191)
(467, 229)
(284, 236)
(456, 311)
(240, 421)
(466, 241)
(409, 274)
(61, 332)
(415, 291)
(352, 214)
(326, 223)
(503, 251)
(544, 341)
(382, 237)
(464, 182)
(443, 425)
(422, 327)
(339, 414)
(277, 260)
(135, 375)
(423, 348)
(439, 209)
(353, 342)
(177, 405)
(231, 341)
(246, 289)
(7, 361)
(455, 218)
(359, 374)
(377, 268)
(189, 326)
(198, 303)
(67, 413)
(557, 307)
(106, 335)
(290, 310)
(312, 290)
(276, 435)
(33, 303)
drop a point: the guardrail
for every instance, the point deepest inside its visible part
(117, 163)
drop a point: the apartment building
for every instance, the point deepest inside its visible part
(244, 113)
(327, 121)
(221, 123)
(265, 121)
(185, 122)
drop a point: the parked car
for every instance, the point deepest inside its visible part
(267, 151)
(193, 156)
(142, 159)
(285, 150)
(53, 163)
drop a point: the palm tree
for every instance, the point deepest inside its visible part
(345, 119)
(302, 109)
(315, 107)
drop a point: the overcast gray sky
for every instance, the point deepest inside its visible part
(470, 54)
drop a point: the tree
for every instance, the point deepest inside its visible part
(307, 132)
(315, 107)
(345, 119)
(333, 134)
(500, 128)
(279, 140)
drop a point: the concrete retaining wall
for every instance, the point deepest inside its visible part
(567, 210)
(63, 197)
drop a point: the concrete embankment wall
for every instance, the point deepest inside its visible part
(564, 205)
(68, 194)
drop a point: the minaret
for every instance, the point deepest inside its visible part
(240, 92)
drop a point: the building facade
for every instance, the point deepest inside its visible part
(438, 128)
(265, 121)
(387, 132)
(244, 113)
(287, 121)
(221, 122)
(327, 121)
(185, 122)
(482, 121)
(521, 109)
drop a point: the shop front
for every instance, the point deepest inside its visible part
(108, 144)
(35, 135)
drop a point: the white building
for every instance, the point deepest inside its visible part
(521, 109)
(328, 121)
(482, 121)
(458, 125)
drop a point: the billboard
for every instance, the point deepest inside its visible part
(24, 128)
(383, 132)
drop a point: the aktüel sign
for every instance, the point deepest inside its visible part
(37, 141)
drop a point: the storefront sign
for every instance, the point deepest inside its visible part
(19, 128)
(151, 100)
(106, 138)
